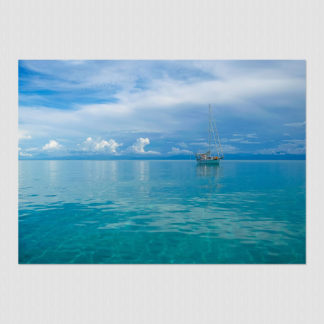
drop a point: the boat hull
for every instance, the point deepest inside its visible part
(208, 162)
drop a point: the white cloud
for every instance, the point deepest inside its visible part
(100, 145)
(199, 144)
(32, 149)
(297, 124)
(176, 151)
(183, 145)
(22, 134)
(25, 154)
(52, 145)
(286, 147)
(163, 95)
(139, 146)
(248, 142)
(229, 149)
(141, 142)
(241, 139)
(252, 135)
(226, 148)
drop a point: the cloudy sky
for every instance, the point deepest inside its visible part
(111, 109)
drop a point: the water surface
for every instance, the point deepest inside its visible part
(161, 212)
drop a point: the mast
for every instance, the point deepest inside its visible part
(209, 128)
(219, 143)
(212, 137)
(212, 131)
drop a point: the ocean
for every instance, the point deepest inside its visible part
(162, 212)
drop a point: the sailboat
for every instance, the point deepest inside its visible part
(215, 152)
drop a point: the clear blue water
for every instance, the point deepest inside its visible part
(161, 212)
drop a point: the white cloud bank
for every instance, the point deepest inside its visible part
(139, 146)
(100, 145)
(51, 146)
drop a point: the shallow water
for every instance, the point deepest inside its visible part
(161, 212)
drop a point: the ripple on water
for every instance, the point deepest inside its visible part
(166, 213)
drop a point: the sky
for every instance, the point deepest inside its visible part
(159, 109)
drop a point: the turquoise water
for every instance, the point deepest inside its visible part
(161, 212)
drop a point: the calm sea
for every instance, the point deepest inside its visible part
(161, 212)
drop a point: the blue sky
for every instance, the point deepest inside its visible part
(159, 109)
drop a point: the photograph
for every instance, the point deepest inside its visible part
(162, 161)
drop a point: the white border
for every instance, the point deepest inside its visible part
(160, 29)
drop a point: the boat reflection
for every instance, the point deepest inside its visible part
(208, 170)
(210, 175)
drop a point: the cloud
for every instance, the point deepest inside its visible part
(139, 146)
(24, 154)
(248, 142)
(32, 149)
(178, 151)
(252, 135)
(111, 145)
(163, 101)
(23, 135)
(297, 124)
(204, 144)
(153, 91)
(100, 145)
(183, 145)
(287, 147)
(52, 145)
(226, 148)
(242, 139)
(229, 148)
